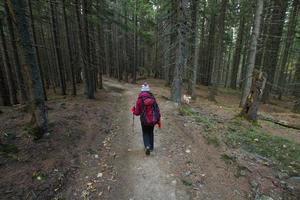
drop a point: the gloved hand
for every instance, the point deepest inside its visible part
(159, 124)
(133, 109)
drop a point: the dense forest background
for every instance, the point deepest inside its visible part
(52, 46)
(225, 74)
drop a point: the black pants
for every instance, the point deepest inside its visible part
(148, 136)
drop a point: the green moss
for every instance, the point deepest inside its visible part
(251, 138)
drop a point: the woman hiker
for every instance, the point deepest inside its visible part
(148, 110)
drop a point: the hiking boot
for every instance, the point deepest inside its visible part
(147, 151)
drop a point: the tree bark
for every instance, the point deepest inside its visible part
(135, 45)
(210, 44)
(18, 69)
(252, 52)
(297, 86)
(216, 76)
(37, 50)
(10, 76)
(81, 48)
(195, 52)
(39, 115)
(90, 71)
(237, 54)
(180, 57)
(251, 106)
(273, 44)
(69, 49)
(57, 47)
(4, 90)
(292, 23)
(193, 47)
(116, 43)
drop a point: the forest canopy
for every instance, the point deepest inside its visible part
(216, 43)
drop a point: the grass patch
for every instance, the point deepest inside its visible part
(187, 111)
(228, 159)
(212, 139)
(207, 122)
(250, 137)
(187, 182)
(210, 125)
(9, 151)
(34, 131)
(39, 175)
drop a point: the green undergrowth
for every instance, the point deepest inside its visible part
(39, 175)
(240, 133)
(209, 125)
(284, 153)
(8, 150)
(33, 131)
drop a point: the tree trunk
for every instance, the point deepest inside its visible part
(10, 76)
(4, 90)
(237, 54)
(100, 49)
(297, 86)
(273, 44)
(125, 42)
(251, 106)
(180, 57)
(211, 44)
(252, 52)
(20, 79)
(106, 50)
(48, 81)
(116, 43)
(57, 47)
(135, 62)
(81, 48)
(196, 53)
(69, 49)
(39, 116)
(90, 71)
(216, 76)
(194, 40)
(292, 23)
(37, 50)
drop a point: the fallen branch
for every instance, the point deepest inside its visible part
(280, 122)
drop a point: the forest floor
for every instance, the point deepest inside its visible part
(203, 151)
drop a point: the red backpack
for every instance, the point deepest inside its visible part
(150, 111)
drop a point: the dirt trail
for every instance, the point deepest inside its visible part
(182, 166)
(141, 177)
(93, 152)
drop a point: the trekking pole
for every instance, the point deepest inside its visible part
(132, 123)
